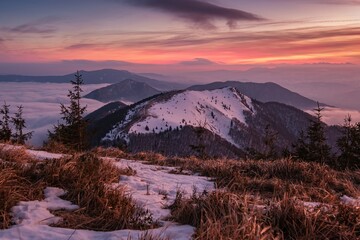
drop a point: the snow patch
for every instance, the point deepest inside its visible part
(42, 155)
(37, 212)
(151, 183)
(350, 201)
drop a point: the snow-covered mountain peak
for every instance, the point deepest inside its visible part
(214, 110)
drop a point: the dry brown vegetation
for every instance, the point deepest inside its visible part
(265, 199)
(225, 215)
(14, 185)
(89, 182)
(305, 180)
(254, 199)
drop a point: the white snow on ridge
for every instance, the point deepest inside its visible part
(213, 110)
(116, 132)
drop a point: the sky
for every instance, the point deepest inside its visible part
(50, 36)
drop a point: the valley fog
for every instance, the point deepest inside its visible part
(41, 102)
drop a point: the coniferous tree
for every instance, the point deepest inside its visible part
(71, 132)
(349, 145)
(267, 150)
(312, 146)
(269, 141)
(5, 130)
(18, 121)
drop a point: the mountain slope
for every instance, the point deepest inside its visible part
(264, 92)
(223, 121)
(105, 111)
(94, 77)
(127, 90)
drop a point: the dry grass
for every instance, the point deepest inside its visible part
(221, 215)
(57, 147)
(89, 181)
(109, 152)
(14, 186)
(225, 215)
(281, 185)
(304, 180)
(291, 220)
(11, 153)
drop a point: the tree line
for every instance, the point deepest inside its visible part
(12, 128)
(312, 144)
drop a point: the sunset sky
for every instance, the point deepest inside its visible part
(178, 32)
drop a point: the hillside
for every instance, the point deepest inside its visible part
(107, 193)
(95, 77)
(169, 123)
(127, 90)
(105, 110)
(263, 92)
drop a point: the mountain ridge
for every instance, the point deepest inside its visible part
(127, 90)
(264, 92)
(94, 77)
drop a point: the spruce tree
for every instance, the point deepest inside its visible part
(71, 132)
(18, 121)
(312, 146)
(5, 130)
(269, 141)
(349, 145)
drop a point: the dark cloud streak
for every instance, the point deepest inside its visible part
(30, 28)
(198, 12)
(39, 26)
(198, 62)
(82, 46)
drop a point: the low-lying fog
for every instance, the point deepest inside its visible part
(41, 103)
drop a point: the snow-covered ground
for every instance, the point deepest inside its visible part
(148, 187)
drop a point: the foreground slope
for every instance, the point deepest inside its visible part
(39, 219)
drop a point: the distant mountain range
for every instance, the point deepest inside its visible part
(95, 77)
(127, 90)
(169, 123)
(263, 92)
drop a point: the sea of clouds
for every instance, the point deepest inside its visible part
(41, 102)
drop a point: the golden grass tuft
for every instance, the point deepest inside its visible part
(109, 152)
(14, 186)
(221, 215)
(226, 215)
(11, 153)
(89, 182)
